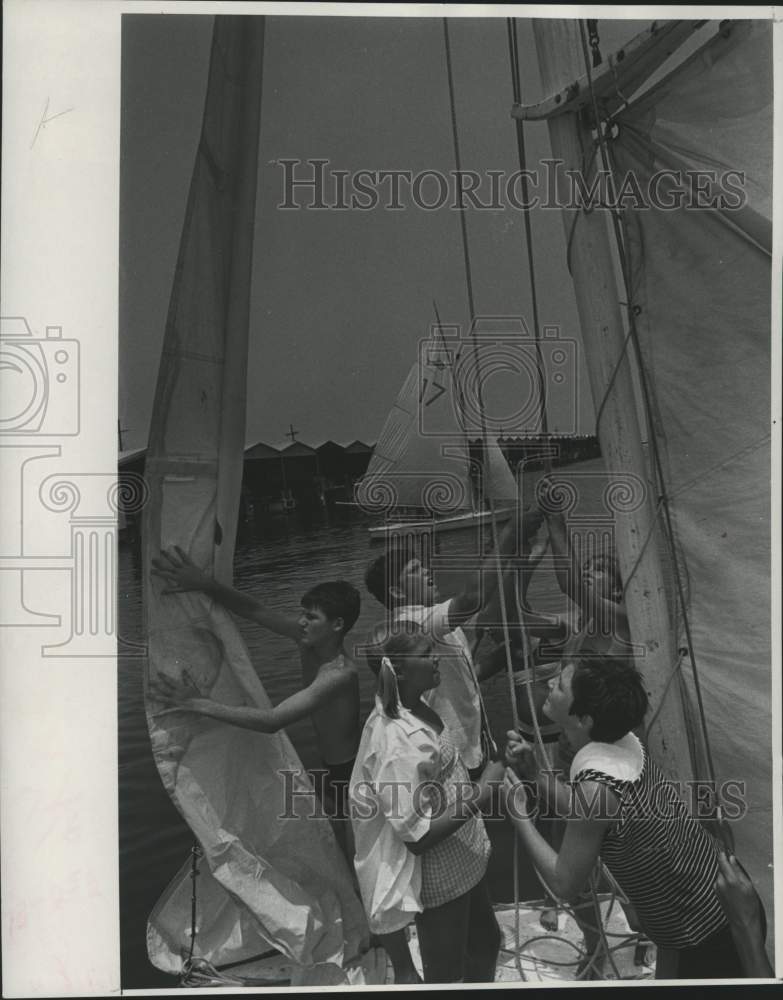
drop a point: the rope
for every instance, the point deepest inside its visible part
(657, 461)
(672, 674)
(626, 939)
(527, 659)
(477, 359)
(600, 923)
(196, 853)
(513, 44)
(501, 589)
(491, 748)
(529, 664)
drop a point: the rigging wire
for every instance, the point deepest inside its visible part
(477, 361)
(491, 748)
(516, 86)
(663, 500)
(513, 43)
(513, 50)
(527, 658)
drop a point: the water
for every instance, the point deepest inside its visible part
(278, 565)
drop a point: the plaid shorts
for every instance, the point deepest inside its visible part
(458, 863)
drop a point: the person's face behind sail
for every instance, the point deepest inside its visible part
(601, 578)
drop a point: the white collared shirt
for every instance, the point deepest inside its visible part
(396, 756)
(622, 759)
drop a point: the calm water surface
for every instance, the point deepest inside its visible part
(278, 564)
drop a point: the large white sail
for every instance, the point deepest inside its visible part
(264, 880)
(701, 279)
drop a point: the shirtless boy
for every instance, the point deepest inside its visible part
(330, 682)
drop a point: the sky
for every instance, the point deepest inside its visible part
(342, 298)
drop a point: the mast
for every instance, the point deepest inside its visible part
(240, 46)
(561, 61)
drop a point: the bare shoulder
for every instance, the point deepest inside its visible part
(341, 669)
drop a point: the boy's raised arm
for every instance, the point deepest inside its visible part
(180, 571)
(481, 587)
(260, 720)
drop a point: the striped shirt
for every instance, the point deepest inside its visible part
(456, 864)
(661, 858)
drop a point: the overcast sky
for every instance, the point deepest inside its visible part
(340, 298)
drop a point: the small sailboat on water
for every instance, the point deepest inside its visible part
(426, 474)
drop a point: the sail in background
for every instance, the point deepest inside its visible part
(263, 880)
(423, 457)
(701, 277)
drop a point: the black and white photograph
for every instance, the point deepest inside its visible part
(434, 586)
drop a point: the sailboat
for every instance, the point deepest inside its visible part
(693, 551)
(423, 475)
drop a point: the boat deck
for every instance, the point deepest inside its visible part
(545, 956)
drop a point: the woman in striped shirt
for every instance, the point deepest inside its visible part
(621, 808)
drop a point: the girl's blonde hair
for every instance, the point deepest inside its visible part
(403, 640)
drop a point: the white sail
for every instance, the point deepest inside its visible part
(264, 880)
(701, 279)
(420, 459)
(423, 455)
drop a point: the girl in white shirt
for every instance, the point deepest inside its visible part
(421, 846)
